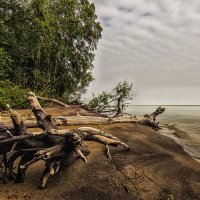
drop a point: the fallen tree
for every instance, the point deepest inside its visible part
(147, 119)
(54, 145)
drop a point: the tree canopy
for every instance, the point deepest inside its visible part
(48, 45)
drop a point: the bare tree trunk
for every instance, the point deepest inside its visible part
(119, 111)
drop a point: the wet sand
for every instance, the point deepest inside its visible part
(155, 168)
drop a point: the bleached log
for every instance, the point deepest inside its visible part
(89, 120)
(86, 120)
(53, 100)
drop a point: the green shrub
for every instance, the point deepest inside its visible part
(13, 95)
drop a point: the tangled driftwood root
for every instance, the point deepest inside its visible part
(51, 145)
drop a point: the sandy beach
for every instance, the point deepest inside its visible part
(155, 168)
(78, 76)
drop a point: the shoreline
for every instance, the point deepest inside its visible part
(156, 167)
(182, 138)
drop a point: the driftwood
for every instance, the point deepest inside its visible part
(8, 140)
(148, 119)
(151, 119)
(44, 121)
(73, 140)
(53, 100)
(85, 133)
(54, 145)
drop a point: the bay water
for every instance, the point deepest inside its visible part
(182, 123)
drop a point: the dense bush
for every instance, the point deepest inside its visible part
(12, 95)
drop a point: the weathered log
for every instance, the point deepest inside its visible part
(25, 140)
(88, 134)
(70, 141)
(154, 114)
(33, 124)
(9, 144)
(17, 138)
(88, 120)
(158, 111)
(53, 100)
(17, 121)
(151, 119)
(91, 120)
(85, 120)
(74, 136)
(45, 122)
(147, 119)
(85, 133)
(44, 154)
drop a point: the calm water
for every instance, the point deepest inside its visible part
(185, 118)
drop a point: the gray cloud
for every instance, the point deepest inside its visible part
(153, 43)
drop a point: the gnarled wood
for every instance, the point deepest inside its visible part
(65, 143)
(44, 121)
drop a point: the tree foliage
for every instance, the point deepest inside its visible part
(114, 102)
(13, 95)
(50, 44)
(5, 63)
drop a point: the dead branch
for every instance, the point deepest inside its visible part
(53, 100)
(16, 138)
(44, 121)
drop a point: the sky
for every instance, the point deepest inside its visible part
(154, 44)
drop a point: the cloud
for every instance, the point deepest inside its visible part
(154, 44)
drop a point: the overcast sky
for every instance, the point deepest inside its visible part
(153, 43)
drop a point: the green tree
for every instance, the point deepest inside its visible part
(114, 102)
(51, 44)
(5, 63)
